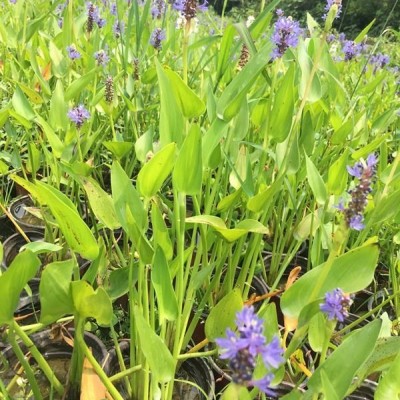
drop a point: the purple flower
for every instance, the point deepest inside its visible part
(379, 61)
(328, 6)
(351, 49)
(364, 171)
(113, 9)
(189, 8)
(73, 54)
(101, 58)
(158, 9)
(78, 115)
(13, 1)
(157, 36)
(286, 34)
(336, 305)
(243, 348)
(118, 28)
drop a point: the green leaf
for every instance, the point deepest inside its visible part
(339, 367)
(101, 203)
(23, 268)
(229, 201)
(389, 384)
(242, 228)
(171, 125)
(225, 51)
(386, 207)
(162, 283)
(56, 144)
(76, 232)
(236, 392)
(21, 105)
(231, 99)
(282, 112)
(316, 183)
(338, 175)
(160, 232)
(351, 272)
(125, 195)
(119, 149)
(58, 118)
(262, 200)
(190, 104)
(159, 358)
(153, 173)
(39, 247)
(90, 303)
(188, 171)
(313, 92)
(223, 315)
(54, 290)
(78, 86)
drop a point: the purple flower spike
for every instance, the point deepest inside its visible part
(328, 6)
(101, 58)
(73, 53)
(336, 305)
(243, 348)
(157, 36)
(364, 171)
(78, 115)
(286, 34)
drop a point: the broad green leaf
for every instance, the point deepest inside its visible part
(23, 268)
(327, 388)
(125, 195)
(53, 139)
(231, 99)
(386, 207)
(211, 140)
(389, 384)
(119, 149)
(280, 121)
(160, 232)
(223, 315)
(225, 51)
(242, 228)
(229, 201)
(318, 332)
(90, 303)
(39, 247)
(79, 85)
(76, 232)
(360, 37)
(338, 175)
(339, 367)
(235, 392)
(143, 145)
(162, 283)
(313, 91)
(101, 203)
(316, 183)
(21, 105)
(54, 289)
(190, 104)
(307, 226)
(171, 126)
(262, 200)
(154, 172)
(351, 272)
(188, 171)
(159, 358)
(58, 108)
(370, 147)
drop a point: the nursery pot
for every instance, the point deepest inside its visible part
(194, 370)
(57, 353)
(6, 227)
(365, 392)
(19, 209)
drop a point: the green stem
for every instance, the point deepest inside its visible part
(42, 363)
(25, 364)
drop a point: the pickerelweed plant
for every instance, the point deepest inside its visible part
(174, 151)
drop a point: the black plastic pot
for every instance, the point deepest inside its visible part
(19, 209)
(6, 228)
(365, 392)
(58, 354)
(13, 244)
(379, 297)
(194, 370)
